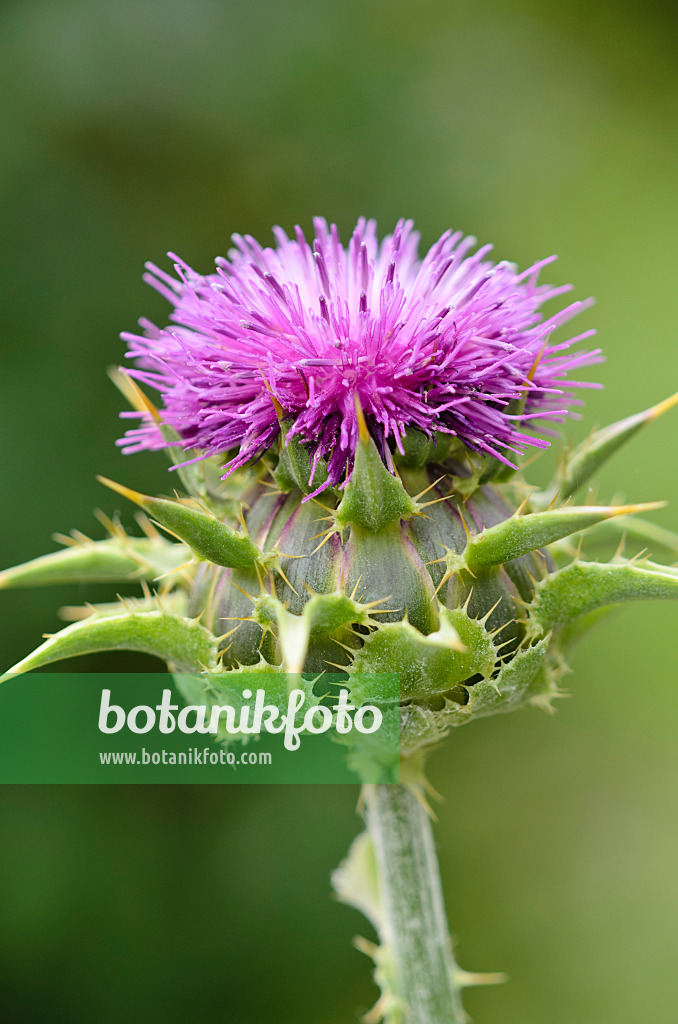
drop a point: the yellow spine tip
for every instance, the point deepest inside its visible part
(628, 510)
(131, 391)
(662, 407)
(126, 492)
(363, 432)
(279, 411)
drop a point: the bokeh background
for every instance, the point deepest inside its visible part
(131, 128)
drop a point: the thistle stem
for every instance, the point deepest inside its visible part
(411, 893)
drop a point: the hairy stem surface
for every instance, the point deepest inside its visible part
(412, 896)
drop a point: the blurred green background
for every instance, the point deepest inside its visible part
(134, 127)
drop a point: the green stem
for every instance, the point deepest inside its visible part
(412, 899)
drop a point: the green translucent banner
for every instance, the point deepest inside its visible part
(158, 728)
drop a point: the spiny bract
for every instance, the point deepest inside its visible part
(363, 406)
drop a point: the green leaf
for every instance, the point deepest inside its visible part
(520, 534)
(397, 662)
(104, 561)
(518, 682)
(202, 531)
(373, 497)
(181, 642)
(356, 881)
(323, 615)
(582, 587)
(228, 688)
(515, 684)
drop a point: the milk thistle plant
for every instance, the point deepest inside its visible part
(346, 426)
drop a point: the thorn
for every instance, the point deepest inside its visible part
(147, 526)
(379, 600)
(194, 503)
(166, 529)
(81, 538)
(324, 533)
(126, 492)
(355, 589)
(113, 528)
(524, 503)
(446, 577)
(430, 487)
(172, 572)
(466, 978)
(445, 497)
(662, 407)
(279, 570)
(326, 507)
(69, 542)
(469, 537)
(225, 636)
(234, 584)
(330, 533)
(131, 391)
(537, 361)
(619, 553)
(487, 614)
(279, 411)
(350, 650)
(363, 432)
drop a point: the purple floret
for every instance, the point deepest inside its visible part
(445, 344)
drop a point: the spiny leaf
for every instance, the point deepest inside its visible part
(520, 534)
(175, 602)
(229, 688)
(518, 682)
(589, 456)
(105, 561)
(323, 615)
(203, 532)
(584, 586)
(373, 497)
(397, 662)
(183, 643)
(514, 685)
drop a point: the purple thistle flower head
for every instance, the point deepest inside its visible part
(452, 343)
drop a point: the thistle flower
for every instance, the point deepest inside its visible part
(452, 344)
(372, 410)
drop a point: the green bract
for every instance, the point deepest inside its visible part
(441, 593)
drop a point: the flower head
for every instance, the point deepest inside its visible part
(452, 343)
